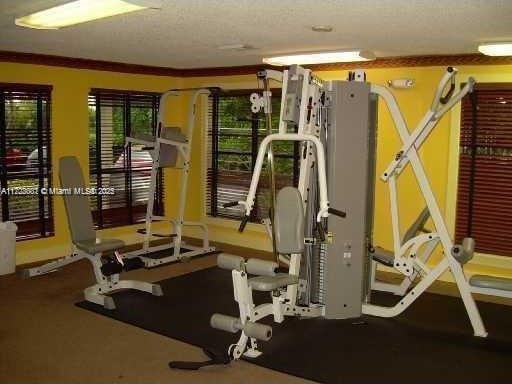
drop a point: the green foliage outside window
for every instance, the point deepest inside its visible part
(141, 120)
(22, 116)
(235, 135)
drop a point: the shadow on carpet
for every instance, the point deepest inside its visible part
(431, 342)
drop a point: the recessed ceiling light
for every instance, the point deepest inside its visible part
(496, 49)
(321, 28)
(321, 57)
(81, 11)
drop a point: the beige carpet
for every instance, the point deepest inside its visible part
(44, 338)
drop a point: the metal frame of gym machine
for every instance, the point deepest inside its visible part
(168, 141)
(421, 248)
(182, 145)
(309, 116)
(406, 261)
(342, 116)
(302, 105)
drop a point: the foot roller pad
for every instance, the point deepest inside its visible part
(258, 331)
(233, 325)
(230, 262)
(225, 323)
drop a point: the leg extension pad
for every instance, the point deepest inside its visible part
(233, 325)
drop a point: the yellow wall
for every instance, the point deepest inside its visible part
(70, 133)
(440, 152)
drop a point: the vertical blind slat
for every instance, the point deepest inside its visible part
(114, 115)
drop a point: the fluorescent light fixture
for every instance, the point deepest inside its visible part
(81, 11)
(321, 57)
(496, 49)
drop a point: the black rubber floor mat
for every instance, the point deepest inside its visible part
(431, 342)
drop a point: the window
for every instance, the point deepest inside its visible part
(113, 115)
(234, 135)
(25, 158)
(484, 201)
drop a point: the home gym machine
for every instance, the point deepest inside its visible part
(300, 103)
(329, 272)
(166, 148)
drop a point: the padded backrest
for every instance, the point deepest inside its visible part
(417, 226)
(169, 153)
(77, 206)
(289, 221)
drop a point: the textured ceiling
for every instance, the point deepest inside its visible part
(187, 33)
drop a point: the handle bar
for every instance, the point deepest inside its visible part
(319, 226)
(244, 222)
(444, 99)
(337, 212)
(245, 218)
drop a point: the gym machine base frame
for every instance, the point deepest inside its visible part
(98, 292)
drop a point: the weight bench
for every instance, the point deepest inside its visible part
(289, 230)
(102, 253)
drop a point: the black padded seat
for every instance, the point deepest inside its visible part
(492, 282)
(271, 283)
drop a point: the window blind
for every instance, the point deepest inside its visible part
(484, 201)
(25, 158)
(113, 115)
(234, 136)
